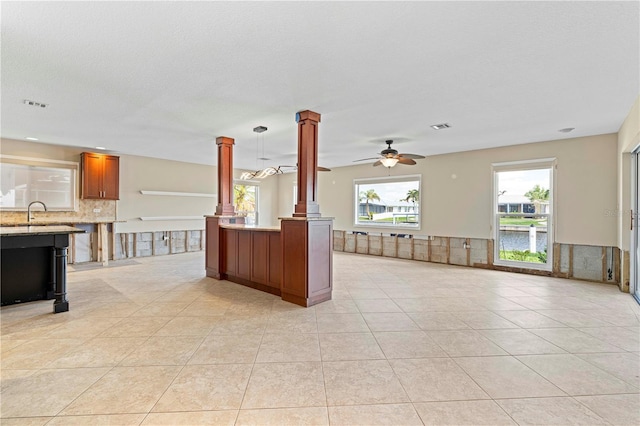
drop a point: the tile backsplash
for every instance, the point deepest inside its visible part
(88, 211)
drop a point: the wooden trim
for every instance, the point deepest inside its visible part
(570, 273)
(604, 264)
(448, 240)
(557, 259)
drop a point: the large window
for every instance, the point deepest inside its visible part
(388, 202)
(524, 214)
(24, 180)
(245, 200)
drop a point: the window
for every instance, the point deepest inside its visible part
(245, 200)
(523, 214)
(388, 202)
(24, 180)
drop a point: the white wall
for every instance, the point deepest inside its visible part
(462, 207)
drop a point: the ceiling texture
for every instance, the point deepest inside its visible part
(164, 79)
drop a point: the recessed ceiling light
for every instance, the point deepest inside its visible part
(260, 129)
(440, 126)
(101, 147)
(264, 159)
(567, 129)
(29, 138)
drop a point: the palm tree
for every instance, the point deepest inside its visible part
(537, 194)
(413, 196)
(244, 199)
(367, 196)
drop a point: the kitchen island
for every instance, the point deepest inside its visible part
(34, 264)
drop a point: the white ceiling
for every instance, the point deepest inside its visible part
(164, 79)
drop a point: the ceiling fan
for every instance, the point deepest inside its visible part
(389, 157)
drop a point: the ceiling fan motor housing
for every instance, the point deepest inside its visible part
(389, 152)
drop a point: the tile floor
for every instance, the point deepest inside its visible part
(152, 341)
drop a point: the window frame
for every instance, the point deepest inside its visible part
(386, 179)
(256, 184)
(524, 165)
(73, 189)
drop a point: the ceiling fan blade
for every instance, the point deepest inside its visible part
(366, 159)
(377, 163)
(322, 169)
(415, 156)
(407, 161)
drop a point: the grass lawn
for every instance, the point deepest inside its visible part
(399, 219)
(522, 221)
(520, 256)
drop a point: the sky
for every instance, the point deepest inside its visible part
(390, 193)
(517, 183)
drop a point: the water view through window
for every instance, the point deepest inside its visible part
(388, 202)
(523, 217)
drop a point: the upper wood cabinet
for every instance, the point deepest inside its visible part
(100, 176)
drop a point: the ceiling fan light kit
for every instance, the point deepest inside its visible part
(389, 162)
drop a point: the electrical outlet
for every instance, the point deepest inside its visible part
(97, 210)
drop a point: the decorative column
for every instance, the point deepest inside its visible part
(307, 238)
(225, 210)
(307, 203)
(225, 177)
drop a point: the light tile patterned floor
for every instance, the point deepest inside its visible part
(152, 341)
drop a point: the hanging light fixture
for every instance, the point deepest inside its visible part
(260, 173)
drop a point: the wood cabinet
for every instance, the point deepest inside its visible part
(100, 176)
(252, 258)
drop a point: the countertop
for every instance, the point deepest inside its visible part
(16, 231)
(60, 222)
(250, 227)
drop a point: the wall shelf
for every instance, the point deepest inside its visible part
(177, 194)
(171, 217)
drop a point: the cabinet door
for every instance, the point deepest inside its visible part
(111, 178)
(91, 175)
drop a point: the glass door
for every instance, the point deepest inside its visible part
(634, 286)
(524, 215)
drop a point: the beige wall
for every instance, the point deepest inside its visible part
(145, 173)
(462, 207)
(152, 174)
(628, 140)
(87, 210)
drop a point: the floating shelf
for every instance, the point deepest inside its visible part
(172, 218)
(177, 194)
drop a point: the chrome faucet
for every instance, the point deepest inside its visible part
(29, 209)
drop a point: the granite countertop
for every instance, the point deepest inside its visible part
(60, 222)
(250, 227)
(9, 231)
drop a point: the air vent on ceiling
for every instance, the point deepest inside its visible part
(35, 104)
(567, 129)
(441, 126)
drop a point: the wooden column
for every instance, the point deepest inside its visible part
(307, 238)
(225, 176)
(307, 203)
